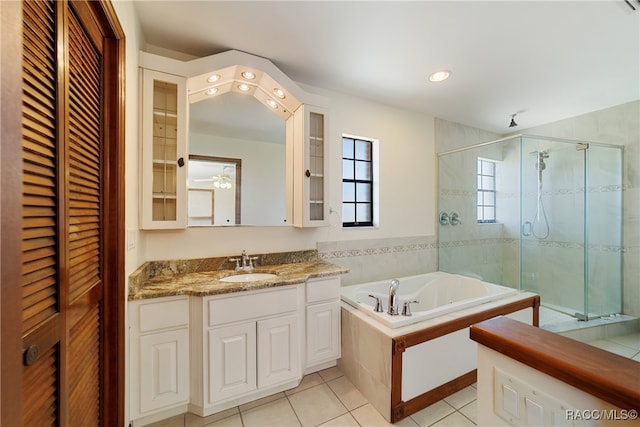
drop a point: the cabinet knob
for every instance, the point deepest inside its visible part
(181, 161)
(307, 173)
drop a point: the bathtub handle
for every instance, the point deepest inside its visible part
(406, 308)
(378, 307)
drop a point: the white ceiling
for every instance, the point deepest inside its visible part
(545, 60)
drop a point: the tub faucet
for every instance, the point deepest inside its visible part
(393, 297)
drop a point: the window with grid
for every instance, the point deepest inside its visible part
(357, 182)
(486, 191)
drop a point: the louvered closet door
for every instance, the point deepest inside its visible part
(62, 219)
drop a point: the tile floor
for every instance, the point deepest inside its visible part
(328, 399)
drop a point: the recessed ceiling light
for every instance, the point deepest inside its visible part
(249, 75)
(439, 76)
(279, 93)
(212, 91)
(273, 104)
(244, 87)
(213, 78)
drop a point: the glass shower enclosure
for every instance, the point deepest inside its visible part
(536, 214)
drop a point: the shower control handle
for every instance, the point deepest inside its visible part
(378, 307)
(454, 218)
(443, 218)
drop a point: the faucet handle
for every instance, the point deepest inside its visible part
(251, 259)
(406, 308)
(237, 261)
(378, 307)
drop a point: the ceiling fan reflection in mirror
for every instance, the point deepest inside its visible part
(222, 181)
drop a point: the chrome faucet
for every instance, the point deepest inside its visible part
(393, 297)
(247, 262)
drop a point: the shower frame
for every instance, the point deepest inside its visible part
(594, 289)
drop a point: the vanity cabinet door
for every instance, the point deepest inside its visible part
(323, 332)
(278, 359)
(164, 369)
(164, 151)
(323, 323)
(310, 167)
(232, 361)
(160, 351)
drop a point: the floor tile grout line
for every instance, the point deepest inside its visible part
(294, 409)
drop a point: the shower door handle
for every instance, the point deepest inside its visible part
(526, 228)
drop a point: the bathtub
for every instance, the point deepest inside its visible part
(437, 293)
(404, 364)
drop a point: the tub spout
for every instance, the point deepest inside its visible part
(393, 297)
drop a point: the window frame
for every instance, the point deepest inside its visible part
(370, 181)
(481, 190)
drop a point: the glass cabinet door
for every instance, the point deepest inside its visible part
(164, 148)
(310, 164)
(316, 166)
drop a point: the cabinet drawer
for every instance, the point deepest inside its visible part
(323, 289)
(236, 307)
(163, 314)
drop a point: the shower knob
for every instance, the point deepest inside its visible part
(455, 218)
(443, 218)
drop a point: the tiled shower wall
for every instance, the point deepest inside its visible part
(380, 259)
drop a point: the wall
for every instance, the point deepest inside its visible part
(407, 192)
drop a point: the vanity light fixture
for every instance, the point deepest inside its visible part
(213, 78)
(439, 76)
(273, 104)
(244, 87)
(279, 93)
(212, 91)
(249, 75)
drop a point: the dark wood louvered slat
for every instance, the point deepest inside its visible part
(84, 352)
(40, 406)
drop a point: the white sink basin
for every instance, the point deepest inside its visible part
(248, 277)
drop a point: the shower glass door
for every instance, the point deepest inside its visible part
(604, 230)
(553, 234)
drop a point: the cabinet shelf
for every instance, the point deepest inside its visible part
(171, 196)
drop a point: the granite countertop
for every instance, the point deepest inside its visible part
(204, 283)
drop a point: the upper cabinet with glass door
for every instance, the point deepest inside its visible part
(164, 148)
(310, 161)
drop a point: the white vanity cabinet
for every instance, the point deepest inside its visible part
(246, 346)
(323, 323)
(309, 159)
(164, 151)
(159, 341)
